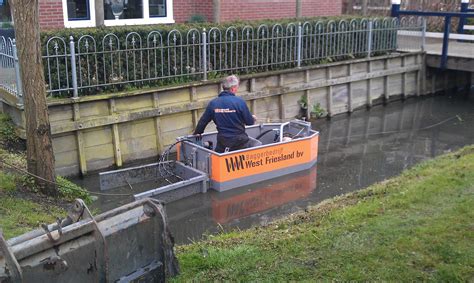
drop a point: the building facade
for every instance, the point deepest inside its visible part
(90, 13)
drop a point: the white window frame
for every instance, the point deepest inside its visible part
(120, 22)
(146, 20)
(80, 23)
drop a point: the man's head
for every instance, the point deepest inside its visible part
(231, 83)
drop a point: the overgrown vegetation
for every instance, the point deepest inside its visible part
(415, 227)
(22, 206)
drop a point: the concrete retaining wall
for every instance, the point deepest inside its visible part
(96, 132)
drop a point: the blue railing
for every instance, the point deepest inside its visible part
(463, 15)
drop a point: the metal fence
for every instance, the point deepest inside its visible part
(9, 68)
(91, 65)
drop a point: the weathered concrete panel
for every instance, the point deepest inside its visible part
(173, 97)
(316, 96)
(174, 122)
(94, 108)
(64, 143)
(293, 78)
(340, 96)
(144, 101)
(98, 157)
(291, 104)
(66, 159)
(170, 137)
(359, 68)
(266, 82)
(410, 61)
(339, 71)
(144, 147)
(359, 91)
(410, 84)
(137, 129)
(378, 88)
(207, 92)
(267, 104)
(378, 65)
(317, 74)
(395, 62)
(97, 136)
(60, 113)
(395, 85)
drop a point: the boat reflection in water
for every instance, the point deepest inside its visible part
(261, 197)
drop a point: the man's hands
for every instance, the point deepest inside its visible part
(254, 118)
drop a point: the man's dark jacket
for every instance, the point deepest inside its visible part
(229, 113)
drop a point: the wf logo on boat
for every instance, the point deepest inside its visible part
(240, 162)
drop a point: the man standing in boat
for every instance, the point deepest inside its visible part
(230, 114)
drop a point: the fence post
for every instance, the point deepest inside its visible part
(72, 48)
(462, 19)
(369, 39)
(395, 8)
(447, 31)
(423, 35)
(300, 42)
(204, 55)
(19, 85)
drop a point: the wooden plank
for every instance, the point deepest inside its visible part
(329, 93)
(194, 112)
(404, 80)
(386, 84)
(157, 121)
(350, 92)
(369, 85)
(115, 136)
(80, 141)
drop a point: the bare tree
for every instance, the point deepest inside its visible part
(40, 156)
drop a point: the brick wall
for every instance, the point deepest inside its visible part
(51, 14)
(311, 8)
(274, 9)
(51, 11)
(184, 9)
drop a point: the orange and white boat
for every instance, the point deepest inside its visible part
(281, 148)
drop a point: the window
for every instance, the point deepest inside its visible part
(81, 13)
(78, 10)
(137, 12)
(5, 16)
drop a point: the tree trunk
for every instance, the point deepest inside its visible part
(40, 156)
(365, 7)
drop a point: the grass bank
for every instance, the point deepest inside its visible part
(22, 207)
(417, 226)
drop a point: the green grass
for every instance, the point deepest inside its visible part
(22, 207)
(418, 226)
(18, 216)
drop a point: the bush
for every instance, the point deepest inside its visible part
(197, 19)
(113, 59)
(70, 191)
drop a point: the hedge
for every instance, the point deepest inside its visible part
(140, 61)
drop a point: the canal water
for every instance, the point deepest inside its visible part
(355, 151)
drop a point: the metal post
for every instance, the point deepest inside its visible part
(300, 41)
(369, 39)
(395, 8)
(204, 55)
(19, 86)
(423, 35)
(73, 67)
(462, 19)
(447, 31)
